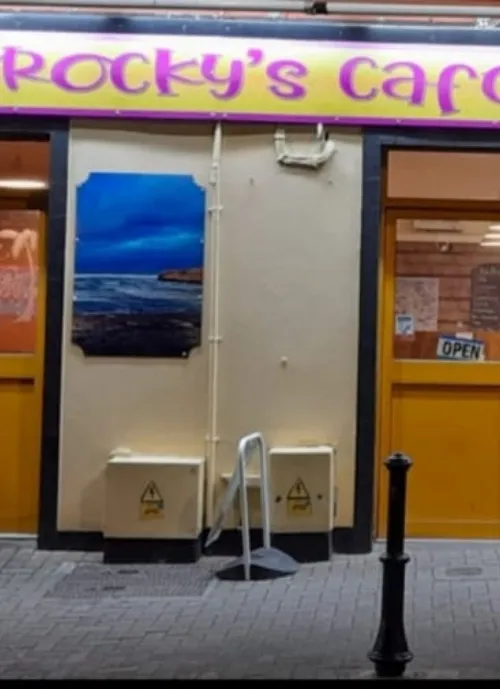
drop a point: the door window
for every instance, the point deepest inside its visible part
(19, 268)
(447, 290)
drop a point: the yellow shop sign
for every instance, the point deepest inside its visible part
(215, 77)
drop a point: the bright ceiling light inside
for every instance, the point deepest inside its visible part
(492, 235)
(494, 228)
(492, 243)
(23, 184)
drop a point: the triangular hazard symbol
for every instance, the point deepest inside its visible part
(151, 493)
(298, 491)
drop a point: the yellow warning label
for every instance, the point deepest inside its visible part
(151, 506)
(298, 500)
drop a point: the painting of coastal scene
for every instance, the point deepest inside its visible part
(138, 287)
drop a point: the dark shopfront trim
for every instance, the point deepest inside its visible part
(55, 132)
(305, 547)
(58, 133)
(357, 539)
(376, 144)
(314, 547)
(250, 27)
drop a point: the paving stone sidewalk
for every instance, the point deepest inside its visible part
(66, 615)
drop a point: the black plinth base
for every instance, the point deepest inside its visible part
(390, 670)
(265, 563)
(388, 667)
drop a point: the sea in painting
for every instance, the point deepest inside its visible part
(138, 287)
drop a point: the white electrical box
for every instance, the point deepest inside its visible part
(302, 487)
(153, 496)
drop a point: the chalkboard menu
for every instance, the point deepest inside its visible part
(485, 299)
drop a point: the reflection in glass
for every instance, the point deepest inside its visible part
(447, 290)
(19, 262)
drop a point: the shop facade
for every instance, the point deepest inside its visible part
(284, 339)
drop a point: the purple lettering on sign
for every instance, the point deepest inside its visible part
(347, 75)
(163, 71)
(232, 81)
(446, 86)
(411, 75)
(490, 84)
(219, 76)
(61, 72)
(13, 72)
(168, 72)
(118, 72)
(255, 56)
(285, 73)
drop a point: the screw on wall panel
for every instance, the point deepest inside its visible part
(278, 498)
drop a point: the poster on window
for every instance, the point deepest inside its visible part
(19, 266)
(419, 297)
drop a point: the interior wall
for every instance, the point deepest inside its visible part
(454, 268)
(438, 175)
(25, 159)
(289, 274)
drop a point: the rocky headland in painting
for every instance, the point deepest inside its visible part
(143, 335)
(170, 327)
(189, 275)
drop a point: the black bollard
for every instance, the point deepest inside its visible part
(390, 652)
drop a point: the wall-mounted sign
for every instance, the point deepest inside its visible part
(459, 349)
(216, 77)
(485, 297)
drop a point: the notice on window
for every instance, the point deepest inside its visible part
(485, 302)
(459, 349)
(405, 325)
(419, 297)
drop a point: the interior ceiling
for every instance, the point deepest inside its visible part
(446, 231)
(24, 160)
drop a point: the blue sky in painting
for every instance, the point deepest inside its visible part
(139, 223)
